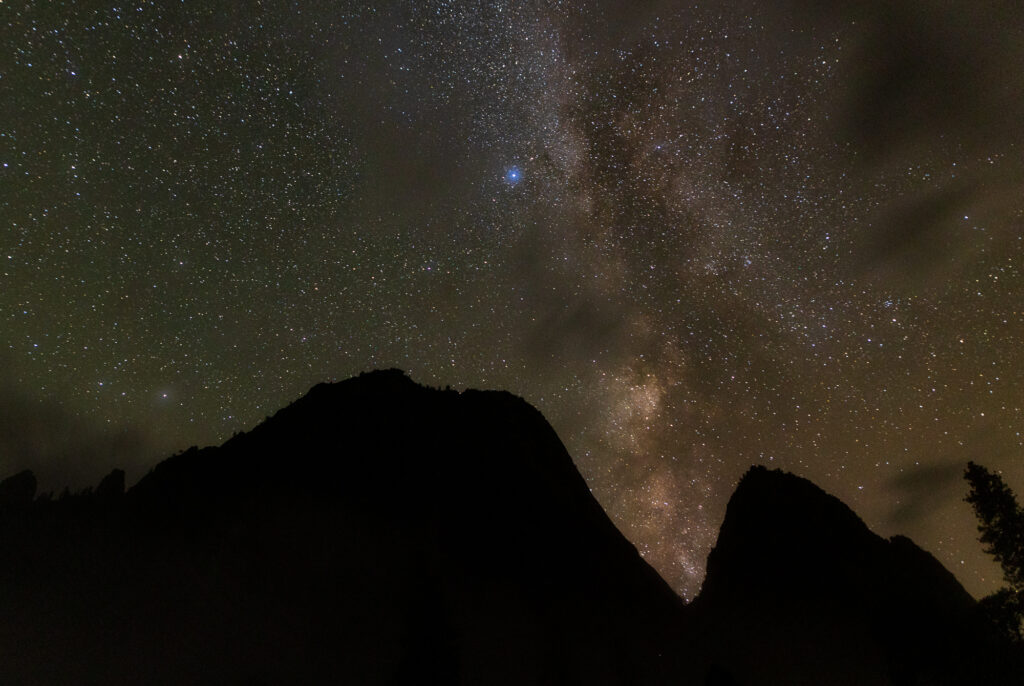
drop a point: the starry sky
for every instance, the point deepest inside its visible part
(696, 236)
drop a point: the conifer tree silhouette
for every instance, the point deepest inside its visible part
(1001, 523)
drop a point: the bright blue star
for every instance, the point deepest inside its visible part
(513, 175)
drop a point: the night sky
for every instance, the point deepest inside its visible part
(696, 238)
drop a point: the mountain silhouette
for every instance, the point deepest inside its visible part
(375, 532)
(799, 591)
(380, 532)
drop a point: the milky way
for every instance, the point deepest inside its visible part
(696, 238)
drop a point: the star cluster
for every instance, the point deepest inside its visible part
(696, 237)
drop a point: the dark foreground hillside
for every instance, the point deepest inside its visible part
(379, 532)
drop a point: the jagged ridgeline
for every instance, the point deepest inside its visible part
(380, 532)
